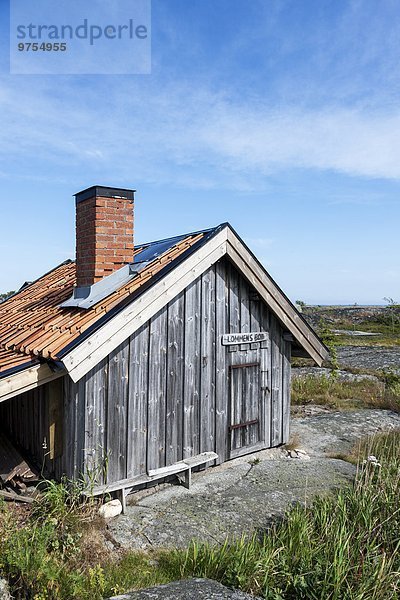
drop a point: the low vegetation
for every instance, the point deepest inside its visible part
(56, 551)
(384, 325)
(385, 335)
(345, 546)
(329, 339)
(369, 448)
(348, 394)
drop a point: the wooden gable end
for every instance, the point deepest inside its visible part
(165, 394)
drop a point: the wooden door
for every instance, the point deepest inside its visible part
(245, 430)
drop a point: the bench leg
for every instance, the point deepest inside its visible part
(185, 478)
(188, 479)
(122, 498)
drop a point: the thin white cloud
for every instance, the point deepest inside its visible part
(182, 133)
(345, 141)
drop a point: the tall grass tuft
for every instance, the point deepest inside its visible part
(345, 547)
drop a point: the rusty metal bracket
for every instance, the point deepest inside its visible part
(241, 425)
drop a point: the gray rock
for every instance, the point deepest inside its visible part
(230, 501)
(337, 432)
(111, 509)
(4, 590)
(370, 357)
(354, 333)
(187, 589)
(299, 454)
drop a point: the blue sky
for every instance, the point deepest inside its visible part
(281, 117)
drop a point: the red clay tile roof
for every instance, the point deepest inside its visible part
(32, 323)
(12, 361)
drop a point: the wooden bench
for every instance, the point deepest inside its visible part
(182, 469)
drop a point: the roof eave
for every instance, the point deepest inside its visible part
(28, 378)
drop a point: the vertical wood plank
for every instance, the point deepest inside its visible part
(253, 409)
(44, 392)
(80, 421)
(74, 431)
(95, 429)
(255, 317)
(138, 400)
(244, 311)
(276, 383)
(266, 383)
(207, 357)
(266, 317)
(234, 304)
(56, 418)
(24, 407)
(117, 401)
(286, 382)
(157, 391)
(192, 369)
(69, 391)
(36, 426)
(221, 375)
(175, 376)
(236, 406)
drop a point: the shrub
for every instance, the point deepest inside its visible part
(50, 555)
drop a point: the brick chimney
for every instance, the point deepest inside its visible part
(104, 232)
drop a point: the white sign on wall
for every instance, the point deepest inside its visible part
(230, 339)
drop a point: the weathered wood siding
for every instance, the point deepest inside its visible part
(165, 393)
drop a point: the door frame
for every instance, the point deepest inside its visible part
(260, 445)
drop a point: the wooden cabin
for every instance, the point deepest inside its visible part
(135, 362)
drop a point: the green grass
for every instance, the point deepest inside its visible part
(383, 340)
(347, 395)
